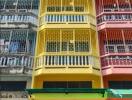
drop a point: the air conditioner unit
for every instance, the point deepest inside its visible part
(7, 10)
(2, 10)
(12, 10)
(19, 71)
(27, 71)
(12, 71)
(4, 95)
(11, 95)
(22, 10)
(5, 71)
(24, 95)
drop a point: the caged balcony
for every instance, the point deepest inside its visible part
(116, 51)
(16, 51)
(21, 6)
(66, 50)
(114, 14)
(18, 13)
(68, 12)
(113, 6)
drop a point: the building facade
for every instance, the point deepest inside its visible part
(18, 24)
(67, 49)
(114, 26)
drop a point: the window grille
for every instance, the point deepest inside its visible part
(65, 8)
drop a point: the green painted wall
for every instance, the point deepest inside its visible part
(69, 96)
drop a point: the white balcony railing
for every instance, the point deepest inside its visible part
(67, 61)
(16, 64)
(67, 19)
(21, 19)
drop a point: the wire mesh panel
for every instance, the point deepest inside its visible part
(4, 41)
(17, 41)
(24, 4)
(10, 4)
(2, 2)
(19, 4)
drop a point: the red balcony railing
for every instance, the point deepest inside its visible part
(121, 61)
(113, 6)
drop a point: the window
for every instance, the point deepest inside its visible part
(68, 84)
(120, 49)
(120, 84)
(81, 47)
(53, 47)
(110, 49)
(64, 46)
(71, 46)
(130, 48)
(12, 86)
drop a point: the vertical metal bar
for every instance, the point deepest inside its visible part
(130, 5)
(11, 32)
(5, 4)
(16, 5)
(26, 46)
(31, 5)
(107, 42)
(74, 40)
(90, 46)
(61, 40)
(123, 37)
(118, 5)
(103, 5)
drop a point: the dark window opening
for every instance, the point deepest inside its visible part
(12, 86)
(64, 84)
(120, 84)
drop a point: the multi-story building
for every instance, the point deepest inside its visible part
(67, 49)
(18, 23)
(114, 24)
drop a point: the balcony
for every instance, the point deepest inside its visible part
(49, 64)
(13, 95)
(114, 20)
(16, 64)
(113, 6)
(115, 42)
(17, 5)
(67, 42)
(17, 42)
(114, 64)
(114, 14)
(66, 13)
(67, 6)
(15, 21)
(67, 20)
